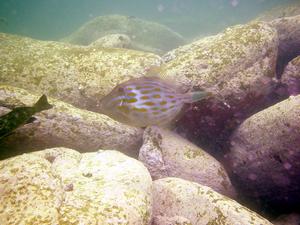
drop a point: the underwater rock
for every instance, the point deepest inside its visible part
(30, 193)
(175, 220)
(121, 41)
(285, 10)
(67, 126)
(166, 154)
(291, 77)
(141, 32)
(237, 66)
(62, 186)
(290, 219)
(77, 75)
(288, 30)
(177, 198)
(112, 41)
(264, 156)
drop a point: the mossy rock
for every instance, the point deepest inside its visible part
(62, 186)
(192, 203)
(77, 75)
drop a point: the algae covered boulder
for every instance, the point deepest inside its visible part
(264, 155)
(77, 75)
(64, 125)
(166, 154)
(30, 193)
(191, 203)
(237, 66)
(62, 186)
(143, 33)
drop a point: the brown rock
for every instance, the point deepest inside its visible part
(265, 155)
(291, 77)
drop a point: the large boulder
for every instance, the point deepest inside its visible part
(288, 29)
(142, 33)
(166, 154)
(62, 186)
(64, 125)
(265, 156)
(78, 75)
(291, 77)
(237, 66)
(179, 201)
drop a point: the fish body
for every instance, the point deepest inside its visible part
(21, 115)
(146, 101)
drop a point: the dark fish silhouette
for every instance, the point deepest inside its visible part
(21, 115)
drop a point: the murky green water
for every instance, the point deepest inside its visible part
(54, 19)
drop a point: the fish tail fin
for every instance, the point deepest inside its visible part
(42, 104)
(196, 96)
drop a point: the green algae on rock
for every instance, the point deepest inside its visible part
(62, 186)
(199, 205)
(65, 125)
(166, 154)
(150, 34)
(30, 192)
(77, 75)
(264, 155)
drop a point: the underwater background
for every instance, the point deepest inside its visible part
(54, 19)
(155, 112)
